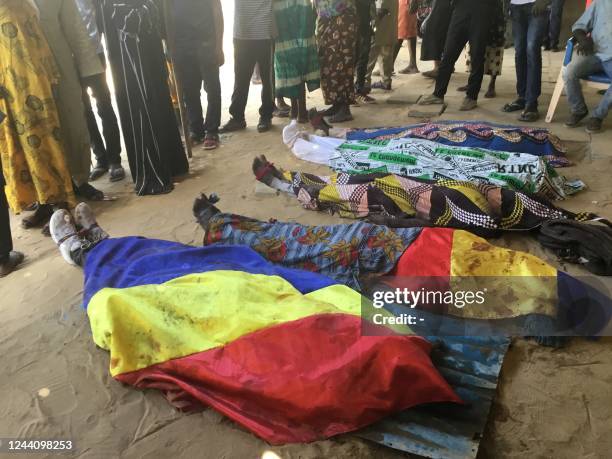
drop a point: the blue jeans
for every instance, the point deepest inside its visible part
(554, 28)
(580, 67)
(528, 31)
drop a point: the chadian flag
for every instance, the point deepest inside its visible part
(278, 350)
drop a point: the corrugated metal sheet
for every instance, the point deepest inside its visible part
(447, 431)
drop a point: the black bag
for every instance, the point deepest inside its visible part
(577, 242)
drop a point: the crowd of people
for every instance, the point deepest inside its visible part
(53, 62)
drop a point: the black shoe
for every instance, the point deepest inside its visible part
(264, 125)
(88, 192)
(575, 119)
(593, 125)
(233, 125)
(98, 171)
(116, 173)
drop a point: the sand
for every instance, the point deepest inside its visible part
(55, 382)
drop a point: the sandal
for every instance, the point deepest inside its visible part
(39, 218)
(211, 142)
(513, 106)
(90, 193)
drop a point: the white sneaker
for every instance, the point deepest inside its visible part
(64, 234)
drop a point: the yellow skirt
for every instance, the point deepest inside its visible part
(32, 155)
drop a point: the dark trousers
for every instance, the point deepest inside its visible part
(248, 53)
(528, 31)
(554, 23)
(108, 150)
(470, 22)
(191, 70)
(6, 240)
(365, 34)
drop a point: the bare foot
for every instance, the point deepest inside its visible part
(409, 70)
(490, 94)
(204, 210)
(265, 171)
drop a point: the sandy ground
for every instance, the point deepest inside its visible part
(55, 382)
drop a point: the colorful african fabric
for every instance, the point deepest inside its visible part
(333, 8)
(480, 208)
(430, 160)
(295, 54)
(336, 38)
(254, 341)
(346, 253)
(32, 155)
(514, 139)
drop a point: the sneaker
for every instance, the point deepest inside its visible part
(84, 217)
(430, 100)
(593, 125)
(64, 234)
(575, 119)
(468, 104)
(264, 125)
(211, 142)
(364, 99)
(234, 125)
(381, 85)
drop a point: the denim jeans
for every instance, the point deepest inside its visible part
(528, 31)
(580, 67)
(554, 26)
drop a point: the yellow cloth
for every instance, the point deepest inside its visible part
(32, 157)
(516, 283)
(149, 324)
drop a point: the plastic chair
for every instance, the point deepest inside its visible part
(598, 81)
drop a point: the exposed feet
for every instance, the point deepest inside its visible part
(233, 125)
(431, 74)
(490, 94)
(11, 263)
(266, 173)
(203, 209)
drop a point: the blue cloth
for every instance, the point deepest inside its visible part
(131, 261)
(528, 32)
(475, 134)
(597, 19)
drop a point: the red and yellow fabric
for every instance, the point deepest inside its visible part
(516, 283)
(290, 367)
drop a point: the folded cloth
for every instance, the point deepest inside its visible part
(579, 242)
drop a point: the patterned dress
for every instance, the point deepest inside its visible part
(295, 57)
(33, 159)
(336, 38)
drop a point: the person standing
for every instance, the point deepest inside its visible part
(196, 43)
(407, 31)
(32, 158)
(470, 22)
(76, 59)
(150, 131)
(551, 41)
(385, 39)
(336, 38)
(296, 63)
(593, 32)
(366, 13)
(434, 29)
(108, 150)
(253, 44)
(529, 19)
